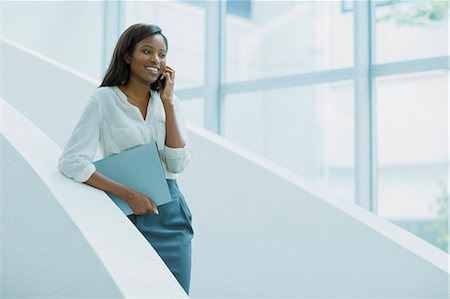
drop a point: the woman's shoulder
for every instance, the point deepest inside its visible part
(104, 92)
(105, 96)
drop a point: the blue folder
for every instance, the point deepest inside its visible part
(140, 169)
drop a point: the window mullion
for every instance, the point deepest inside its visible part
(365, 156)
(113, 20)
(213, 44)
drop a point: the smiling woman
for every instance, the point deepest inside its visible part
(139, 51)
(135, 105)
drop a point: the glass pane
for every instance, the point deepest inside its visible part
(412, 150)
(184, 25)
(308, 130)
(272, 38)
(68, 32)
(193, 111)
(411, 30)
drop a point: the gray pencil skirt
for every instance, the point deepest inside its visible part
(170, 233)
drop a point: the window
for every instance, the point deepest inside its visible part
(194, 111)
(287, 37)
(413, 132)
(308, 130)
(186, 43)
(411, 30)
(305, 120)
(240, 8)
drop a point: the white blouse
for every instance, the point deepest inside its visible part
(111, 123)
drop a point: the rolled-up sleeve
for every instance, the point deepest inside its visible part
(76, 159)
(177, 159)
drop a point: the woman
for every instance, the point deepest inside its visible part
(134, 105)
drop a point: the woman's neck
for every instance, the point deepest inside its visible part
(138, 92)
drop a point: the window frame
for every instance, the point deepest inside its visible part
(363, 73)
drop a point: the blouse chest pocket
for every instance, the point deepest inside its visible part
(123, 138)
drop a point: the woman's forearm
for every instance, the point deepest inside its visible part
(138, 202)
(104, 183)
(173, 134)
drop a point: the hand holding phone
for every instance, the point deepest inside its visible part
(165, 84)
(161, 83)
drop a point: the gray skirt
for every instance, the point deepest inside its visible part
(170, 233)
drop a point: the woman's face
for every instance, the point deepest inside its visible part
(148, 60)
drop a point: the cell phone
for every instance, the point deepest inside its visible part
(155, 85)
(163, 81)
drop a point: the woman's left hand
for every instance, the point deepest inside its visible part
(166, 92)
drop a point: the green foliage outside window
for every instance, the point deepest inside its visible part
(419, 13)
(440, 225)
(425, 13)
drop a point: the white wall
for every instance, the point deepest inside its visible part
(52, 95)
(65, 239)
(70, 32)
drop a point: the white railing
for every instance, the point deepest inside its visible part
(63, 238)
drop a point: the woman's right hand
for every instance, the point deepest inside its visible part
(141, 204)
